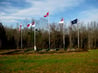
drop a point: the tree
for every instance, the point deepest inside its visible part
(3, 37)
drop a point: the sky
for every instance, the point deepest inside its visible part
(23, 11)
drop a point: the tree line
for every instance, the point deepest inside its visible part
(10, 38)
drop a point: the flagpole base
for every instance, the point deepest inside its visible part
(35, 49)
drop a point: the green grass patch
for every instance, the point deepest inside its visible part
(75, 62)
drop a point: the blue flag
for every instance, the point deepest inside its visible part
(74, 21)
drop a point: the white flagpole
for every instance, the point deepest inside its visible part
(21, 37)
(78, 34)
(34, 39)
(70, 31)
(49, 32)
(63, 37)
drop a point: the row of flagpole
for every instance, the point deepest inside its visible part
(63, 36)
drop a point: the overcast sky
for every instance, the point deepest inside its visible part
(13, 11)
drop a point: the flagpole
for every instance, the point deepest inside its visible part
(78, 34)
(34, 39)
(21, 38)
(47, 14)
(70, 36)
(63, 37)
(49, 32)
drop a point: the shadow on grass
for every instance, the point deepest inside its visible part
(10, 52)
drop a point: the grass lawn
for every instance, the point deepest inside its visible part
(75, 62)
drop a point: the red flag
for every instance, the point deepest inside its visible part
(28, 25)
(47, 14)
(62, 20)
(33, 23)
(20, 27)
